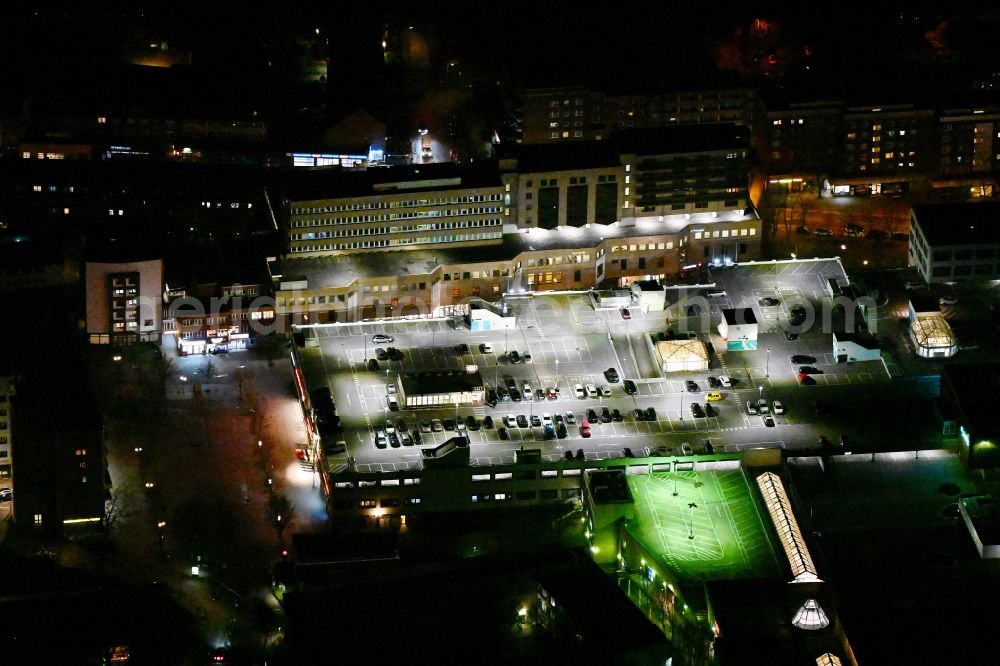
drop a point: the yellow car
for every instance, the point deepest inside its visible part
(713, 396)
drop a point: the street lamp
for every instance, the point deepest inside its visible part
(767, 363)
(692, 506)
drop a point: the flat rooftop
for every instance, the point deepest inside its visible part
(422, 383)
(609, 487)
(976, 387)
(959, 223)
(341, 270)
(730, 538)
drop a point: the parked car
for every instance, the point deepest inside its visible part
(709, 447)
(650, 414)
(697, 411)
(714, 382)
(686, 449)
(751, 408)
(382, 339)
(692, 386)
(425, 426)
(515, 395)
(578, 391)
(592, 416)
(372, 364)
(725, 381)
(449, 425)
(629, 386)
(769, 302)
(486, 348)
(768, 421)
(809, 370)
(604, 390)
(627, 452)
(579, 452)
(561, 431)
(948, 300)
(638, 414)
(807, 380)
(535, 421)
(802, 359)
(568, 455)
(492, 398)
(539, 394)
(471, 423)
(823, 231)
(797, 315)
(710, 410)
(791, 336)
(570, 418)
(605, 415)
(616, 415)
(522, 421)
(526, 358)
(626, 314)
(777, 407)
(591, 391)
(513, 357)
(462, 348)
(510, 421)
(584, 432)
(716, 294)
(436, 425)
(381, 354)
(502, 433)
(550, 393)
(488, 422)
(713, 396)
(611, 375)
(694, 310)
(394, 354)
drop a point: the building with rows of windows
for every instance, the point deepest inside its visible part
(388, 242)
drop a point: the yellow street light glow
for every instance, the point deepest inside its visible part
(522, 611)
(594, 549)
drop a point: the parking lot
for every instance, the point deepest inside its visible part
(571, 344)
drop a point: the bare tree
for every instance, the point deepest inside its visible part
(208, 368)
(120, 505)
(270, 347)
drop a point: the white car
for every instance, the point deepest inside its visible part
(390, 427)
(591, 391)
(546, 419)
(605, 391)
(777, 407)
(382, 339)
(726, 381)
(948, 300)
(751, 408)
(510, 421)
(913, 285)
(762, 406)
(570, 418)
(578, 391)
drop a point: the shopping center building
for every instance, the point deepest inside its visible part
(409, 240)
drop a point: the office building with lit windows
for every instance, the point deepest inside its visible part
(649, 205)
(951, 242)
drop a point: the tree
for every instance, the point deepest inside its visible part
(281, 511)
(270, 347)
(121, 504)
(208, 368)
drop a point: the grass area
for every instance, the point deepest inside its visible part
(730, 541)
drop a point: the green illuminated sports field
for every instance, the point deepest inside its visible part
(730, 538)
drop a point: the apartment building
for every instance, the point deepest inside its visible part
(799, 138)
(950, 242)
(211, 318)
(124, 301)
(566, 114)
(6, 446)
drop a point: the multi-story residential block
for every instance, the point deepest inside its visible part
(7, 392)
(647, 205)
(211, 318)
(884, 149)
(556, 115)
(124, 301)
(950, 242)
(799, 137)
